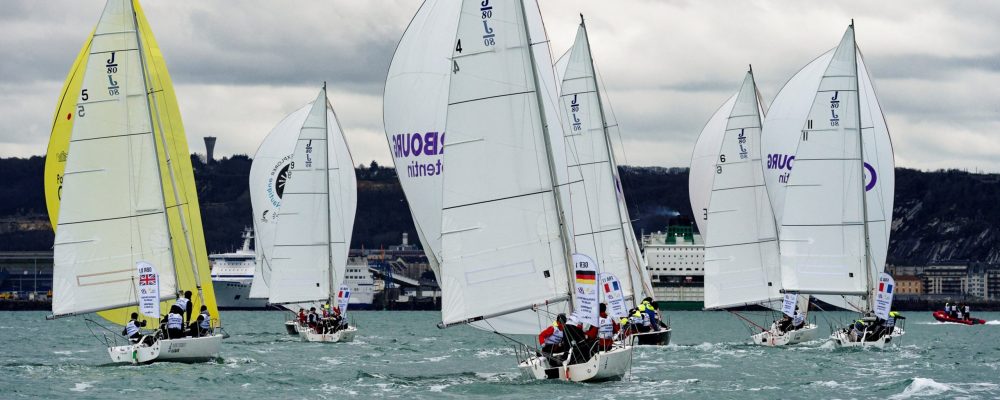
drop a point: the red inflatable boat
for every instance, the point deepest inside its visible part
(944, 317)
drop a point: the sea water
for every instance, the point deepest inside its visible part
(404, 355)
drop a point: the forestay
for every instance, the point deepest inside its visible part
(741, 254)
(414, 109)
(503, 249)
(112, 212)
(823, 243)
(268, 176)
(316, 218)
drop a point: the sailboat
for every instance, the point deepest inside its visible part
(121, 194)
(837, 199)
(603, 226)
(506, 233)
(316, 219)
(741, 253)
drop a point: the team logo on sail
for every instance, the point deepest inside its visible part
(408, 148)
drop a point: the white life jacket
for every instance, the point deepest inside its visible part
(798, 320)
(635, 320)
(131, 328)
(175, 321)
(555, 337)
(960, 315)
(966, 309)
(645, 320)
(206, 324)
(606, 328)
(182, 303)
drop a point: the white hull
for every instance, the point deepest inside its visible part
(345, 335)
(292, 327)
(183, 350)
(772, 338)
(605, 365)
(841, 338)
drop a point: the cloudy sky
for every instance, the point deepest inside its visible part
(240, 66)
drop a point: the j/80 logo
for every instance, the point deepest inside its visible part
(784, 162)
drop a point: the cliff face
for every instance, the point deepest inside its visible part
(943, 215)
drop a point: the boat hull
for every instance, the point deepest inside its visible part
(235, 295)
(192, 349)
(292, 327)
(343, 335)
(841, 338)
(941, 316)
(773, 338)
(603, 366)
(652, 338)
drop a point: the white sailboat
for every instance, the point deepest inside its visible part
(834, 224)
(741, 254)
(601, 226)
(126, 207)
(316, 219)
(506, 241)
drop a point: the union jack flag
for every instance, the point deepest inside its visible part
(147, 279)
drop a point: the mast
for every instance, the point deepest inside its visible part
(166, 154)
(329, 214)
(564, 233)
(612, 165)
(861, 157)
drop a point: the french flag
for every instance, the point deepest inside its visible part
(882, 288)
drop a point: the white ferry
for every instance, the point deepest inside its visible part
(676, 267)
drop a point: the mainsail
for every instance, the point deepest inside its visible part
(505, 245)
(316, 218)
(601, 224)
(268, 175)
(838, 199)
(119, 157)
(741, 254)
(414, 109)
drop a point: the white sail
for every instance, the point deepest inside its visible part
(316, 217)
(741, 254)
(782, 129)
(823, 244)
(268, 175)
(414, 109)
(703, 159)
(503, 249)
(112, 211)
(600, 218)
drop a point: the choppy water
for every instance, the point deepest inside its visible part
(403, 354)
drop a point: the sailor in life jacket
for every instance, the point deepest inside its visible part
(206, 323)
(312, 318)
(552, 338)
(607, 329)
(185, 305)
(132, 329)
(642, 316)
(649, 309)
(174, 322)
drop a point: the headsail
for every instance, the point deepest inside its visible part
(824, 226)
(703, 159)
(316, 218)
(268, 175)
(503, 247)
(414, 109)
(150, 111)
(741, 254)
(601, 223)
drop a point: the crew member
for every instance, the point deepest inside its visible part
(784, 324)
(967, 315)
(798, 321)
(132, 329)
(185, 305)
(313, 319)
(651, 314)
(205, 322)
(175, 322)
(302, 316)
(552, 338)
(606, 330)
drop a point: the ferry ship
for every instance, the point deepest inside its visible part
(676, 267)
(232, 274)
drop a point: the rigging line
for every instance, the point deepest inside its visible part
(747, 320)
(491, 97)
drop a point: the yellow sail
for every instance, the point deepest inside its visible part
(175, 169)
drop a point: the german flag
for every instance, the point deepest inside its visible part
(586, 277)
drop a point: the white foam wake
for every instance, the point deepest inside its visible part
(924, 387)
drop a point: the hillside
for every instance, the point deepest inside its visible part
(938, 216)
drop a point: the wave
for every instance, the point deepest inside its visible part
(82, 386)
(924, 387)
